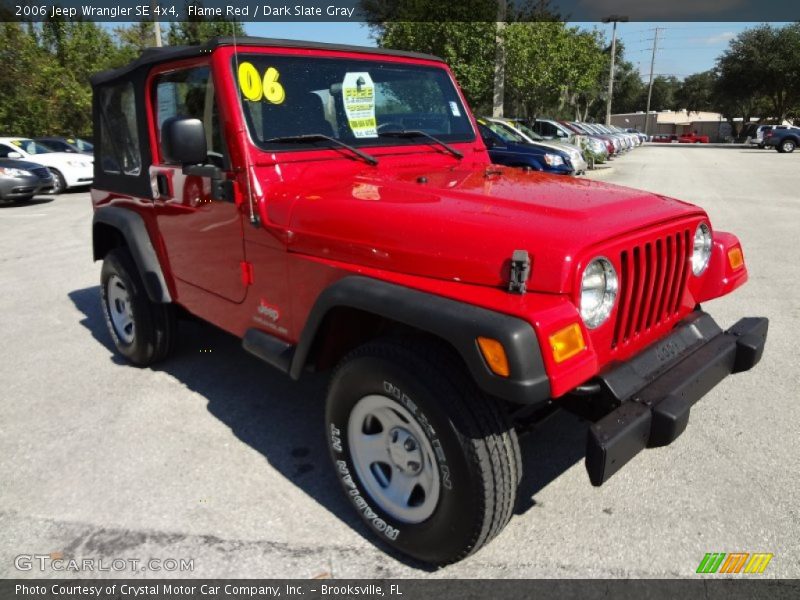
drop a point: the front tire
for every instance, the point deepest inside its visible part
(59, 183)
(428, 461)
(142, 331)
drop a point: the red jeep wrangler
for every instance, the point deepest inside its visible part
(333, 206)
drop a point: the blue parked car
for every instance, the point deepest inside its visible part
(510, 149)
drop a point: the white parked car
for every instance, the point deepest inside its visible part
(68, 169)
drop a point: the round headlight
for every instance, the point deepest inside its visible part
(598, 292)
(702, 248)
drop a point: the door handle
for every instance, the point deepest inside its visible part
(162, 183)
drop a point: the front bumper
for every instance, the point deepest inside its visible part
(16, 188)
(657, 388)
(78, 176)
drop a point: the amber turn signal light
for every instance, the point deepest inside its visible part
(735, 258)
(495, 356)
(566, 343)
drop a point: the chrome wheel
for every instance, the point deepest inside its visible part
(393, 458)
(119, 309)
(788, 146)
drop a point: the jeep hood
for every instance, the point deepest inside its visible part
(464, 225)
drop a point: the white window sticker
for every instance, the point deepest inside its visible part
(358, 92)
(454, 109)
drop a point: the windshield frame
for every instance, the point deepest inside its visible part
(360, 143)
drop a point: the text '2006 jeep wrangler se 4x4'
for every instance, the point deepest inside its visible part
(334, 207)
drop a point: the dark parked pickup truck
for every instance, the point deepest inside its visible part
(783, 138)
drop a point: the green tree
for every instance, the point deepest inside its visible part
(696, 92)
(628, 86)
(25, 107)
(663, 95)
(48, 68)
(766, 62)
(468, 47)
(552, 68)
(134, 38)
(628, 89)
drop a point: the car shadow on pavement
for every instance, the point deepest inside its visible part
(283, 419)
(35, 201)
(549, 450)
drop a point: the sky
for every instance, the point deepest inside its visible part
(683, 48)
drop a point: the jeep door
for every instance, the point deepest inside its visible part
(203, 236)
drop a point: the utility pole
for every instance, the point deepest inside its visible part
(156, 24)
(612, 19)
(650, 87)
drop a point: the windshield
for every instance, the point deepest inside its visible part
(81, 145)
(354, 101)
(31, 147)
(504, 133)
(529, 132)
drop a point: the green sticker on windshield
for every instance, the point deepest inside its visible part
(358, 93)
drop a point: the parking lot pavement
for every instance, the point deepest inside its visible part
(215, 457)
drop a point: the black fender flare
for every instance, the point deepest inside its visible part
(132, 228)
(455, 322)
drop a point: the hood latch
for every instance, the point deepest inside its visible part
(519, 272)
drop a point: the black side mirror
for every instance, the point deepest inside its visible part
(183, 141)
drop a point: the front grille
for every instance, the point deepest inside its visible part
(651, 283)
(42, 172)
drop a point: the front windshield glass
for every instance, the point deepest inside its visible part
(82, 145)
(31, 147)
(529, 132)
(354, 101)
(504, 133)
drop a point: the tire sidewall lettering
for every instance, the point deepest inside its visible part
(343, 470)
(394, 391)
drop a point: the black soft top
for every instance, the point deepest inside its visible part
(152, 56)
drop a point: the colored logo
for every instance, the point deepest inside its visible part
(734, 562)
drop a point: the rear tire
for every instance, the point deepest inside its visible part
(429, 462)
(142, 331)
(788, 146)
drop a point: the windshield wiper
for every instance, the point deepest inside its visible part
(316, 137)
(409, 133)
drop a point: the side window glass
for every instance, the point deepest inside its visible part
(119, 133)
(5, 151)
(190, 93)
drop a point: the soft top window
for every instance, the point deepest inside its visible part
(119, 137)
